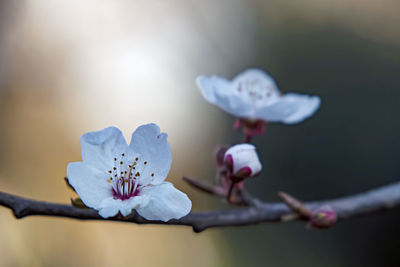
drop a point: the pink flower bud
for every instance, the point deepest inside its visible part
(242, 161)
(323, 217)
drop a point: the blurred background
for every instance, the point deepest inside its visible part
(68, 67)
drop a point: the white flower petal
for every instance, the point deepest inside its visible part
(210, 85)
(235, 104)
(307, 106)
(165, 202)
(89, 183)
(109, 211)
(263, 79)
(154, 149)
(290, 108)
(100, 147)
(109, 207)
(277, 111)
(218, 91)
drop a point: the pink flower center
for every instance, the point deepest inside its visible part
(125, 188)
(125, 178)
(256, 89)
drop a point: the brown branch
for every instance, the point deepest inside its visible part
(376, 200)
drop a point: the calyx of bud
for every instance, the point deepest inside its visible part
(250, 127)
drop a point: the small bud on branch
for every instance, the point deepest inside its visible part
(323, 217)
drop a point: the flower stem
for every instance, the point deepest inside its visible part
(229, 196)
(247, 138)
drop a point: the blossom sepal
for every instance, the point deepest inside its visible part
(78, 203)
(242, 174)
(250, 127)
(68, 184)
(219, 154)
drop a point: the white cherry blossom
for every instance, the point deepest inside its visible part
(254, 95)
(115, 177)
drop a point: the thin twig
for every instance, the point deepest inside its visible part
(230, 190)
(205, 187)
(294, 204)
(241, 198)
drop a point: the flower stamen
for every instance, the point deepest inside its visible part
(127, 177)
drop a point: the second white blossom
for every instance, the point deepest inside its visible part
(254, 95)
